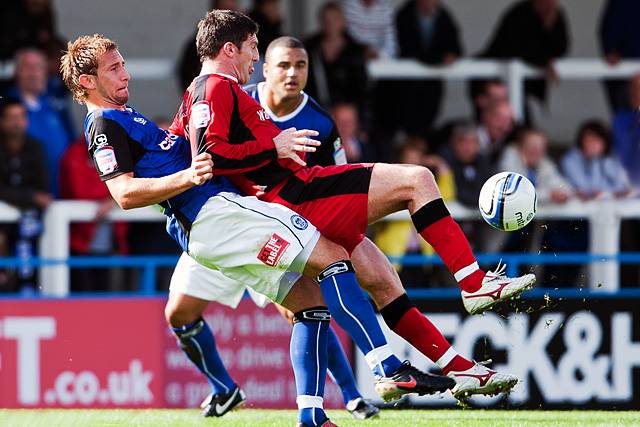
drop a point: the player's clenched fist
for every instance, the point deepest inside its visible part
(201, 169)
(290, 141)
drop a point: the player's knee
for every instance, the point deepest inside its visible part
(177, 315)
(419, 176)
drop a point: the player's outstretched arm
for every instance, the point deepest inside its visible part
(130, 192)
(290, 142)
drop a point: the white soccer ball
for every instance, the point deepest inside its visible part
(507, 201)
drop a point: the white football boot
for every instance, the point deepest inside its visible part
(496, 287)
(480, 380)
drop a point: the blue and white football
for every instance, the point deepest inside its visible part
(507, 201)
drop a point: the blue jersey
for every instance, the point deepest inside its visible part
(123, 141)
(309, 115)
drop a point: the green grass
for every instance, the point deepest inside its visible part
(252, 417)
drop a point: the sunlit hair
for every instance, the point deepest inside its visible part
(80, 58)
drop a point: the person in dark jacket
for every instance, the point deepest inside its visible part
(23, 184)
(535, 31)
(427, 32)
(337, 71)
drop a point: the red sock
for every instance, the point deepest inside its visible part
(405, 320)
(422, 334)
(435, 225)
(458, 363)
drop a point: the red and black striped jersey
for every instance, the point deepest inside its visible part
(218, 116)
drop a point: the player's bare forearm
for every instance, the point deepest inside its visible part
(131, 192)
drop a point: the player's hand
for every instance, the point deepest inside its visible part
(291, 141)
(201, 169)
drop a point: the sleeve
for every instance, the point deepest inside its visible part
(109, 148)
(390, 47)
(234, 129)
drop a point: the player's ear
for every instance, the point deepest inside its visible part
(87, 81)
(265, 68)
(229, 48)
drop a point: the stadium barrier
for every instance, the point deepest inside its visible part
(513, 72)
(604, 218)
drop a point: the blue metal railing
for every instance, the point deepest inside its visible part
(149, 265)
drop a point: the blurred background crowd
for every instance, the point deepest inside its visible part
(43, 156)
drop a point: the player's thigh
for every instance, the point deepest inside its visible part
(397, 187)
(375, 273)
(203, 283)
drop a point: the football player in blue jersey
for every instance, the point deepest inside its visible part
(261, 245)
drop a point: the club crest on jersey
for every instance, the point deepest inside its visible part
(99, 140)
(299, 222)
(272, 251)
(201, 115)
(105, 159)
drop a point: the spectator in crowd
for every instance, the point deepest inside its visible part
(48, 120)
(529, 158)
(268, 16)
(79, 181)
(399, 238)
(25, 23)
(337, 72)
(470, 166)
(370, 22)
(495, 128)
(591, 167)
(535, 31)
(486, 92)
(348, 124)
(189, 64)
(426, 32)
(619, 39)
(595, 173)
(24, 184)
(626, 133)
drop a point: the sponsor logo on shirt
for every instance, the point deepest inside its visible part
(299, 222)
(272, 251)
(201, 115)
(105, 159)
(263, 115)
(168, 141)
(140, 120)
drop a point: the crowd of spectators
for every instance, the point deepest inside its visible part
(43, 157)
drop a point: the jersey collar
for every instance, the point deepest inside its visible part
(286, 117)
(230, 77)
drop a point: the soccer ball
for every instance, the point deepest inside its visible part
(507, 201)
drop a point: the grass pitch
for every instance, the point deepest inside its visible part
(272, 418)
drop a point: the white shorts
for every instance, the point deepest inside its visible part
(194, 279)
(251, 242)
